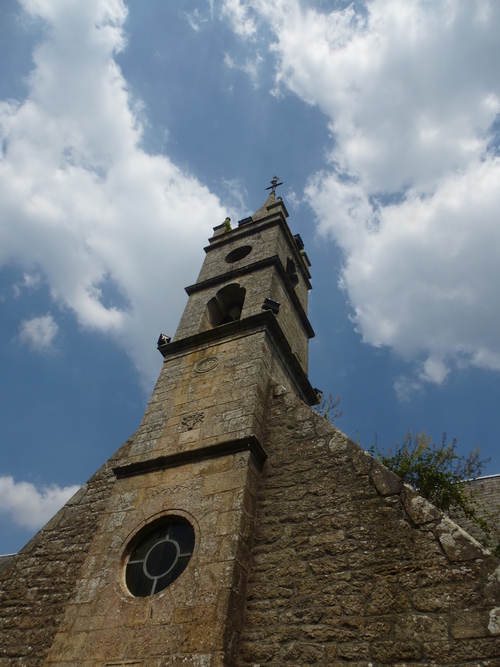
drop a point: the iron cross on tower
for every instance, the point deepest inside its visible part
(274, 184)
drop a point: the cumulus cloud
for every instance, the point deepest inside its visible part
(239, 14)
(412, 192)
(100, 213)
(28, 283)
(30, 507)
(39, 332)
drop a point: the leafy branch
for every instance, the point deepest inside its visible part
(441, 476)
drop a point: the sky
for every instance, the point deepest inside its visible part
(129, 129)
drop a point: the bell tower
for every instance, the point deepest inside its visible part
(165, 557)
(237, 526)
(245, 323)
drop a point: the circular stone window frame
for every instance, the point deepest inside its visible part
(238, 254)
(140, 533)
(206, 365)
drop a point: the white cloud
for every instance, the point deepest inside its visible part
(406, 388)
(195, 19)
(29, 283)
(238, 13)
(96, 208)
(249, 67)
(30, 507)
(424, 277)
(411, 91)
(39, 332)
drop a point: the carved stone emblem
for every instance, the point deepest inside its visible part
(205, 365)
(192, 421)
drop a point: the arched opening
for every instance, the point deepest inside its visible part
(226, 305)
(291, 272)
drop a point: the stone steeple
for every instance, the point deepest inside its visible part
(183, 487)
(237, 526)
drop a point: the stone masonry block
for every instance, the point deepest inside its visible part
(456, 543)
(362, 461)
(469, 624)
(420, 510)
(225, 481)
(386, 482)
(421, 627)
(494, 621)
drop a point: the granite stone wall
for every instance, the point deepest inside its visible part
(485, 497)
(350, 567)
(37, 583)
(196, 620)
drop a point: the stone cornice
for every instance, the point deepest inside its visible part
(250, 444)
(261, 321)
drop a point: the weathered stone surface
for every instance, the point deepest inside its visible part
(41, 580)
(333, 563)
(494, 621)
(460, 651)
(456, 543)
(421, 627)
(389, 652)
(419, 509)
(351, 567)
(386, 482)
(469, 624)
(362, 462)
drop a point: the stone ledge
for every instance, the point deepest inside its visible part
(264, 321)
(250, 444)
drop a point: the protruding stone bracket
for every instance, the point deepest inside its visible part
(457, 544)
(385, 481)
(420, 510)
(250, 444)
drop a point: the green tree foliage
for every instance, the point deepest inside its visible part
(440, 475)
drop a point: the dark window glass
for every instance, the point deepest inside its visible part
(160, 557)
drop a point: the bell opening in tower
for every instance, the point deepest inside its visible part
(226, 305)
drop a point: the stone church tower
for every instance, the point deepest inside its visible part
(238, 527)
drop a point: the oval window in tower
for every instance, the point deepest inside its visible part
(159, 557)
(238, 253)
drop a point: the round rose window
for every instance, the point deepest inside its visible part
(160, 557)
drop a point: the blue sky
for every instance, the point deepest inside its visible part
(130, 129)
